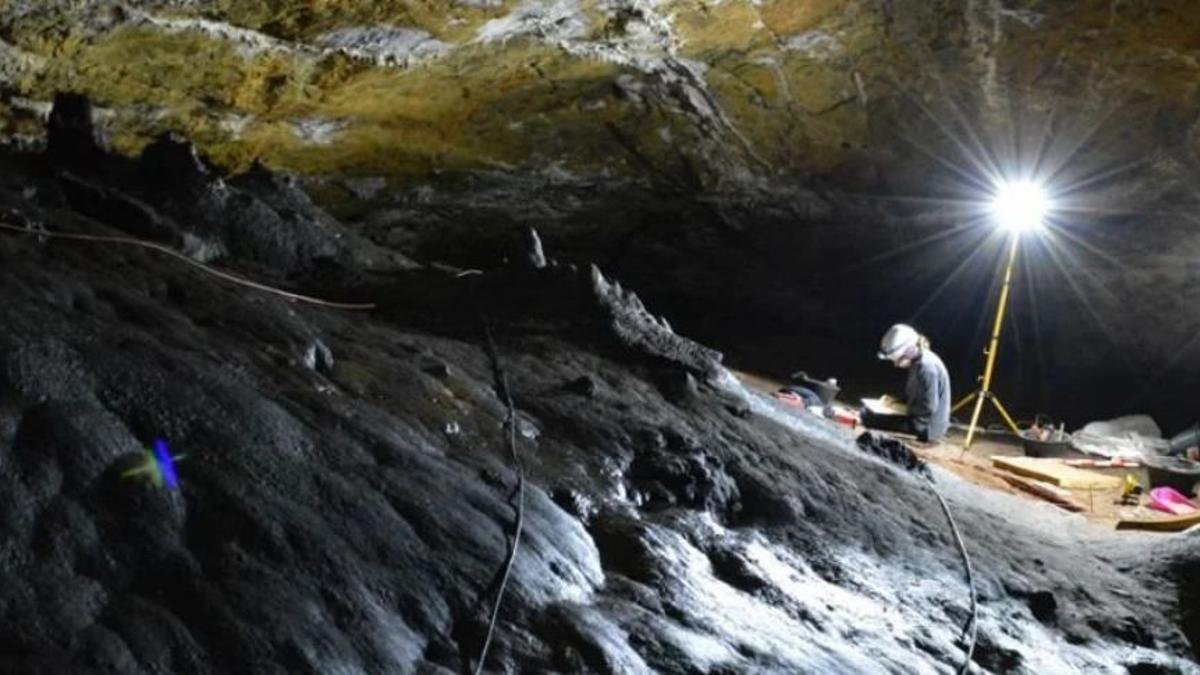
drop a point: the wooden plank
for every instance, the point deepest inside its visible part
(1054, 471)
(1057, 496)
(1164, 524)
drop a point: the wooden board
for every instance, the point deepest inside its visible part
(1057, 496)
(1055, 472)
(1164, 524)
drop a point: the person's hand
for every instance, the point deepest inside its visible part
(1192, 453)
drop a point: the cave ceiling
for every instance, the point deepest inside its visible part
(725, 92)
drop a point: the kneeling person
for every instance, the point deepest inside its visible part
(928, 389)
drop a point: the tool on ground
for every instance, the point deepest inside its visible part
(1131, 491)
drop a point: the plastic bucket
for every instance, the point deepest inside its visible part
(1058, 446)
(1174, 472)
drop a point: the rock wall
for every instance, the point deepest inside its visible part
(757, 169)
(347, 494)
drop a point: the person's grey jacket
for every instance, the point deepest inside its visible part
(928, 397)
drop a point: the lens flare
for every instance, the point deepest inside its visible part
(159, 465)
(166, 464)
(1020, 206)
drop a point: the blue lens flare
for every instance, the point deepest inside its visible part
(159, 465)
(165, 464)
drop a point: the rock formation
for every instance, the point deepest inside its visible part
(755, 169)
(352, 514)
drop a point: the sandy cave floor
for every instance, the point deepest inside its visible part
(1102, 507)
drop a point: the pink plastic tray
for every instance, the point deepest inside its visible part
(1170, 500)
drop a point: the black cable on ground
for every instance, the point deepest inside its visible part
(970, 629)
(505, 395)
(895, 452)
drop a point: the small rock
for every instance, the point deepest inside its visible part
(73, 138)
(202, 249)
(741, 411)
(761, 503)
(1043, 605)
(693, 478)
(534, 255)
(575, 503)
(318, 357)
(678, 439)
(584, 385)
(994, 657)
(452, 429)
(680, 386)
(655, 495)
(491, 477)
(438, 369)
(172, 162)
(528, 429)
(732, 567)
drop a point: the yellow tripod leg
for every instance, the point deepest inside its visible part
(1004, 413)
(985, 382)
(974, 421)
(963, 401)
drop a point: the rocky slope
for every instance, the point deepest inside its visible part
(347, 491)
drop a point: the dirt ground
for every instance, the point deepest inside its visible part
(976, 465)
(1101, 506)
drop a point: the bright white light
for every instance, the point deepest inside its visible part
(1020, 207)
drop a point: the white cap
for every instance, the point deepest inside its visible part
(897, 342)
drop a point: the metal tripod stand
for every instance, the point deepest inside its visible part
(984, 393)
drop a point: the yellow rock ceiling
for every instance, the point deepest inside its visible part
(718, 89)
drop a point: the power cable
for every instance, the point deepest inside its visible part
(501, 379)
(971, 628)
(893, 451)
(162, 248)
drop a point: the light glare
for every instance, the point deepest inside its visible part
(1020, 207)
